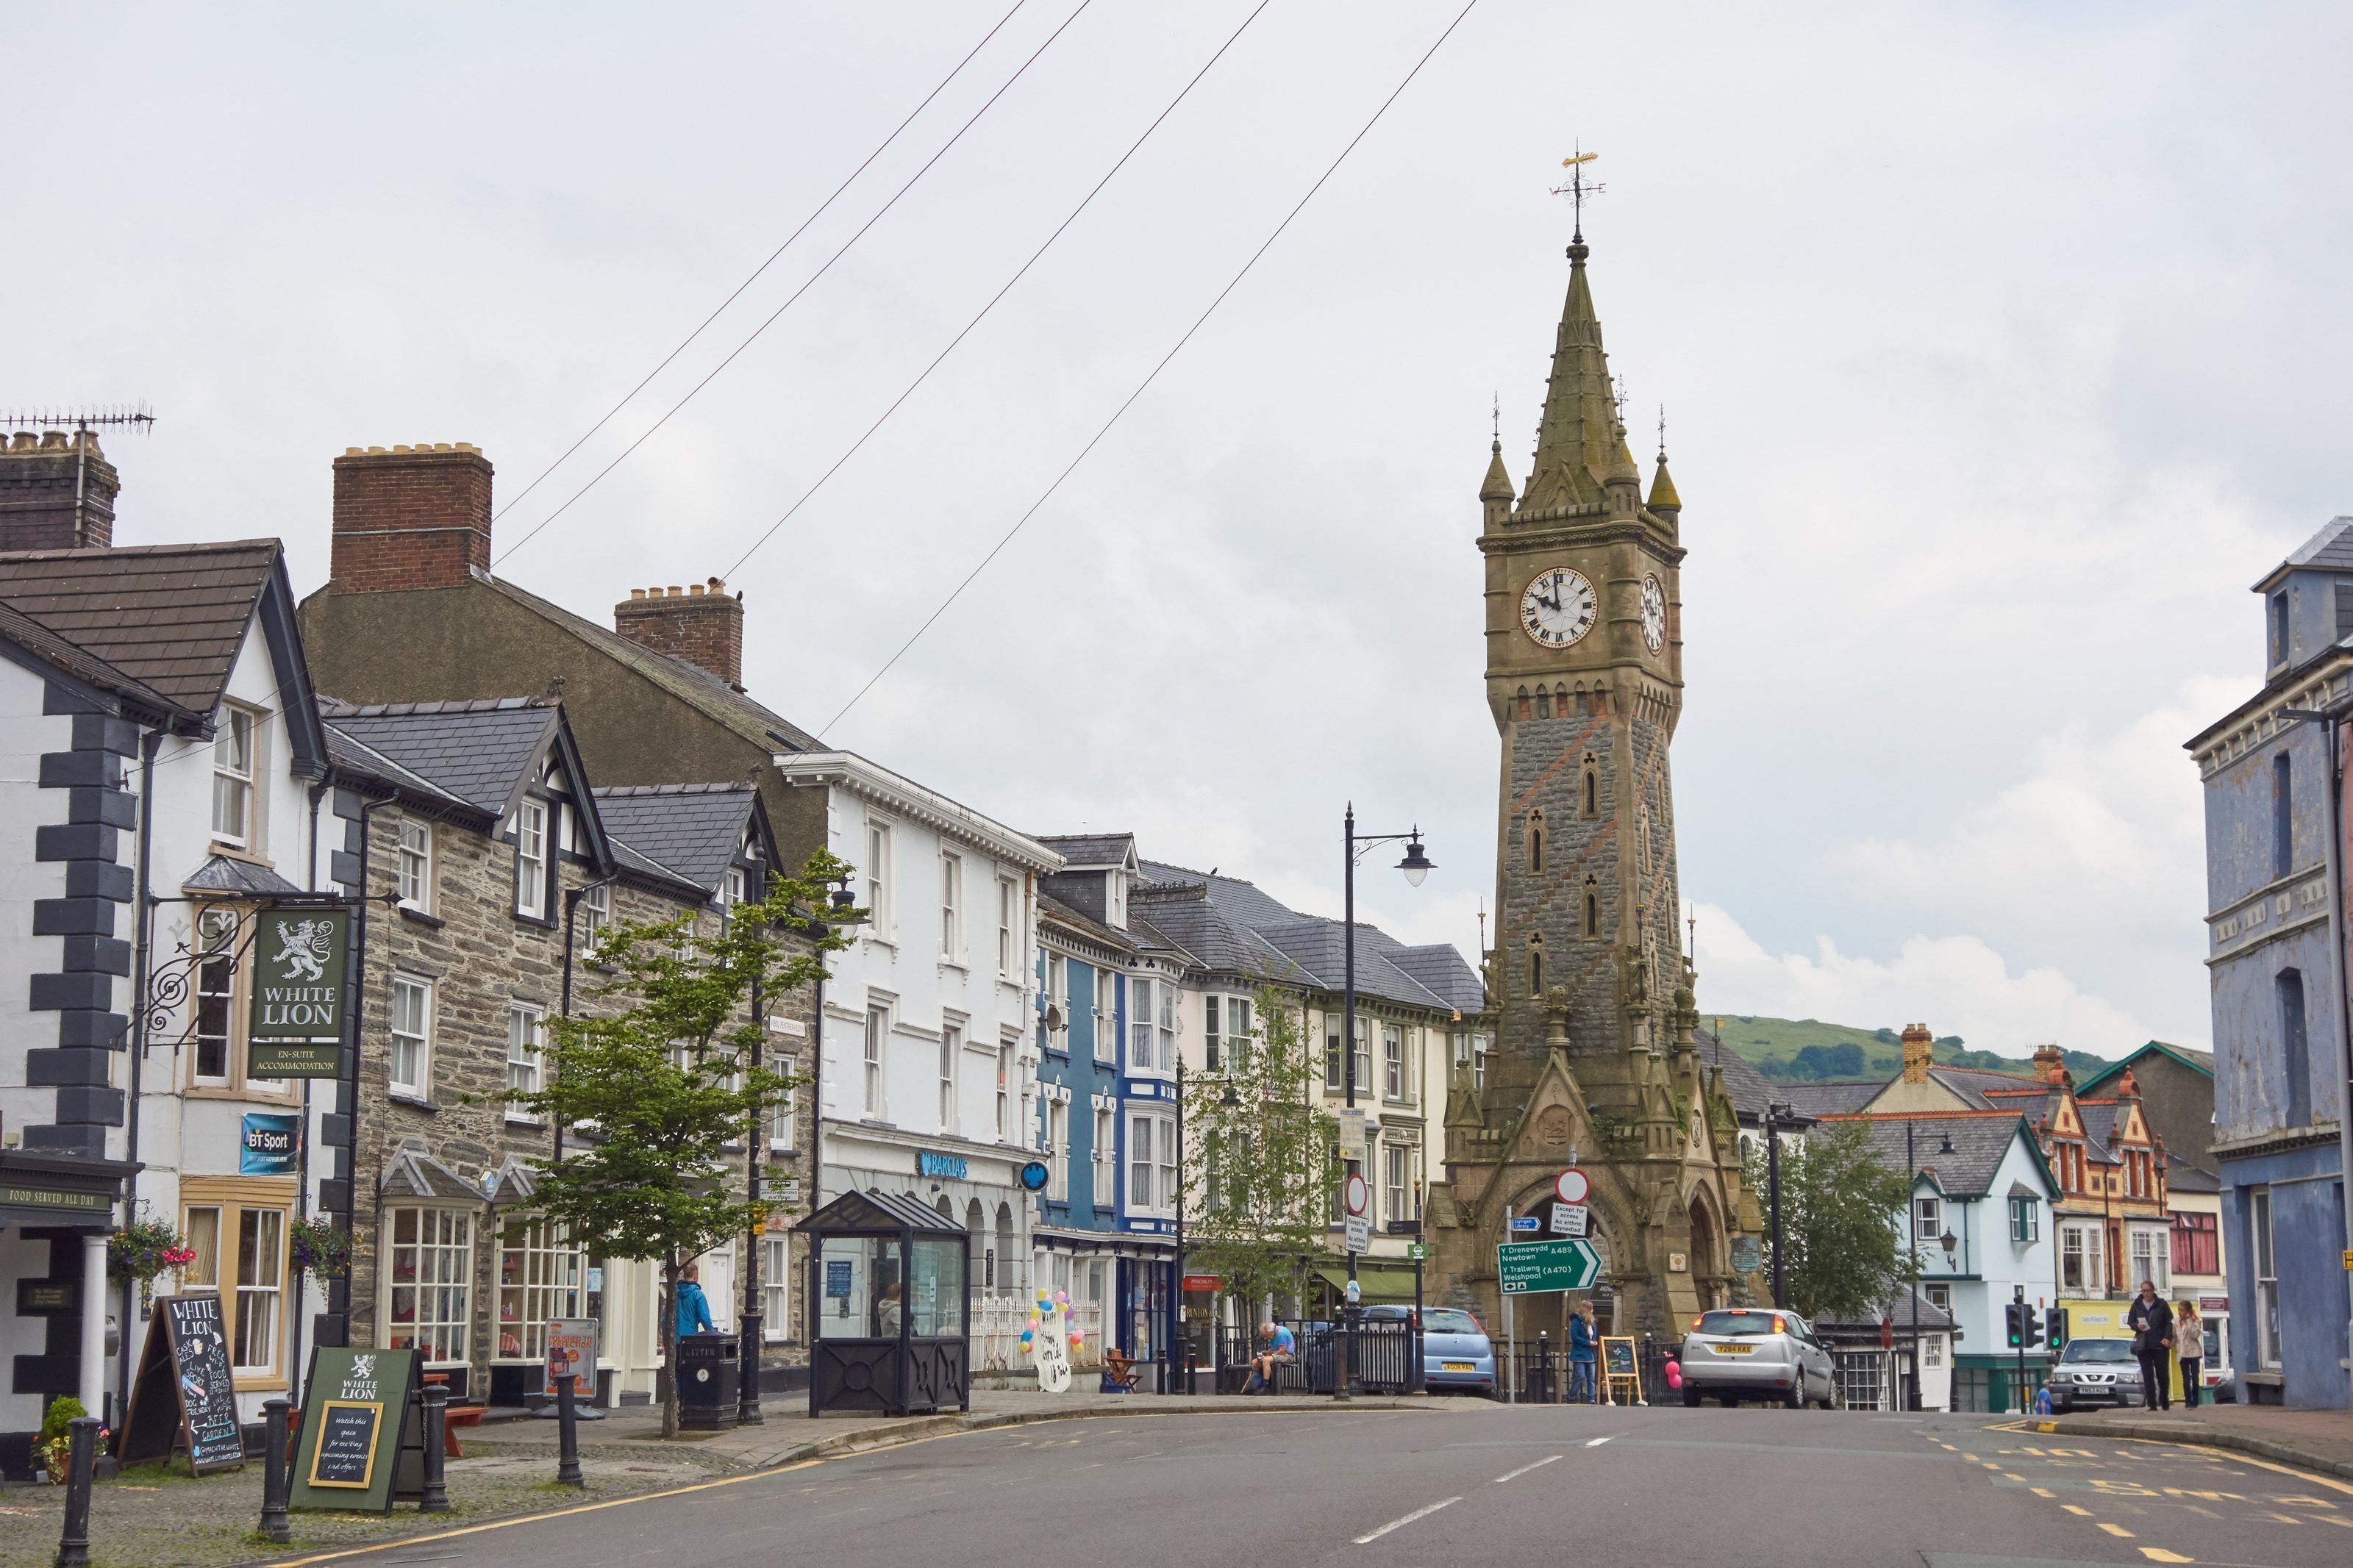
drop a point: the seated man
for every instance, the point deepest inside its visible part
(1276, 1348)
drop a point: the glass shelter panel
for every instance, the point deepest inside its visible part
(936, 1273)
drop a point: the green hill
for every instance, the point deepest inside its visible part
(1807, 1050)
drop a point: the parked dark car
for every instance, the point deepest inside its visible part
(2094, 1372)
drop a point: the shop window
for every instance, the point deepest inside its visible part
(541, 1276)
(430, 1285)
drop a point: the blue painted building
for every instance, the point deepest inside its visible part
(2274, 954)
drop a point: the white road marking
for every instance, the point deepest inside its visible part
(1598, 1441)
(1524, 1469)
(1409, 1519)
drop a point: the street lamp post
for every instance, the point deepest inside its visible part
(1416, 866)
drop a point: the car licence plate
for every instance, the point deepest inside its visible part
(1457, 1366)
(1735, 1350)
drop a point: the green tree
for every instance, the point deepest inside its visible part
(1842, 1213)
(1258, 1169)
(662, 1083)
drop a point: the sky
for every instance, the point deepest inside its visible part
(2000, 347)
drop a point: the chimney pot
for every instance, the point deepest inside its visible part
(696, 589)
(703, 629)
(57, 491)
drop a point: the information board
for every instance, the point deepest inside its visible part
(571, 1349)
(183, 1399)
(355, 1424)
(344, 1454)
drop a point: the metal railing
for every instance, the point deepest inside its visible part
(1378, 1352)
(1540, 1373)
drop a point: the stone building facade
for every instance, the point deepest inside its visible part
(1596, 1059)
(477, 822)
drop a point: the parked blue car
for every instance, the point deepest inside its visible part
(1455, 1351)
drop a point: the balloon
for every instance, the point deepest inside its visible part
(1674, 1368)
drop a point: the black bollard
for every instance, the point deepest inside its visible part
(81, 1453)
(567, 1434)
(435, 1498)
(273, 1471)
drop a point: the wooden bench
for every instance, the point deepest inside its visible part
(454, 1416)
(1121, 1371)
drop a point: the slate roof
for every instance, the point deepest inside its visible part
(2331, 549)
(355, 758)
(2099, 1126)
(2181, 1176)
(2196, 1060)
(692, 829)
(705, 691)
(478, 751)
(1230, 919)
(1081, 850)
(1980, 1138)
(1898, 1309)
(1832, 1099)
(172, 616)
(68, 657)
(237, 878)
(1062, 913)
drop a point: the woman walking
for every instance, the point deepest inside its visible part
(2189, 1346)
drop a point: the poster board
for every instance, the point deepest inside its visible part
(183, 1399)
(356, 1428)
(1621, 1377)
(570, 1348)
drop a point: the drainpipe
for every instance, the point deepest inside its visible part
(302, 1147)
(143, 924)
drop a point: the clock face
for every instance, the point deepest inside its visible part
(1654, 614)
(1558, 607)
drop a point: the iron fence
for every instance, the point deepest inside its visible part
(1540, 1373)
(1379, 1352)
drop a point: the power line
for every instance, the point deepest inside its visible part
(796, 293)
(763, 267)
(1001, 294)
(1154, 372)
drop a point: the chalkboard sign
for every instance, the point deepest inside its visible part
(1618, 1356)
(345, 1454)
(185, 1398)
(356, 1425)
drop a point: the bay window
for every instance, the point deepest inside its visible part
(430, 1285)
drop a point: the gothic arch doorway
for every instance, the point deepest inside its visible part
(1707, 1253)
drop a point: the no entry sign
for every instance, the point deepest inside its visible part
(1572, 1187)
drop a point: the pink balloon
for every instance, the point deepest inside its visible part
(1674, 1380)
(1674, 1368)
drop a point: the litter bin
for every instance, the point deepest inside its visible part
(707, 1378)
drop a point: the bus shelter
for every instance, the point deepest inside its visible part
(889, 1290)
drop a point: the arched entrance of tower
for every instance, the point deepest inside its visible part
(1710, 1274)
(1549, 1314)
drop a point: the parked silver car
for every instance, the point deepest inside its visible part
(1756, 1352)
(2094, 1372)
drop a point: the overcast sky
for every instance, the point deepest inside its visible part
(2001, 346)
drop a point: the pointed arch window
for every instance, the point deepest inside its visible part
(1535, 840)
(1544, 703)
(1592, 908)
(1560, 701)
(1592, 788)
(1584, 703)
(1535, 964)
(1525, 709)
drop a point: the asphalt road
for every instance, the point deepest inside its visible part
(1469, 1484)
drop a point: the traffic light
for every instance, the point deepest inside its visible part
(2033, 1329)
(2014, 1318)
(2054, 1326)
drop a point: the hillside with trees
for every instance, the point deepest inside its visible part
(1807, 1050)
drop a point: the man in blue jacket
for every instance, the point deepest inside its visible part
(1584, 1344)
(694, 1306)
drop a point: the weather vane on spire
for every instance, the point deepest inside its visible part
(1617, 395)
(1499, 418)
(1662, 432)
(1577, 190)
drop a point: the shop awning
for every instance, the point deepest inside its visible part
(1373, 1283)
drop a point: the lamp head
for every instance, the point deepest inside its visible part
(1416, 865)
(1949, 1241)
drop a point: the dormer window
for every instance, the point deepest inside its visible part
(1115, 898)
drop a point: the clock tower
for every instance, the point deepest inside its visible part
(1594, 1060)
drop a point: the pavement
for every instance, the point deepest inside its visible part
(1465, 1484)
(2320, 1440)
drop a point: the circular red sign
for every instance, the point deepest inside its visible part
(1356, 1194)
(1572, 1187)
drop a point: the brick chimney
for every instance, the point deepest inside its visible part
(1918, 1052)
(2051, 1064)
(703, 625)
(410, 516)
(56, 493)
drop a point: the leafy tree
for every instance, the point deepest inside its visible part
(665, 1082)
(1258, 1171)
(1844, 1210)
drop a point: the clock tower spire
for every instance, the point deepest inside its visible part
(1590, 998)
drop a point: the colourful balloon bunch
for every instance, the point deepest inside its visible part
(1059, 1301)
(1674, 1374)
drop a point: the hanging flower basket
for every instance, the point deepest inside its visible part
(316, 1247)
(144, 1248)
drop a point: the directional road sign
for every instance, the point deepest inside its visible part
(1566, 1264)
(1526, 1221)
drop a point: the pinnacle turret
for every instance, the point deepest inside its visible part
(1663, 499)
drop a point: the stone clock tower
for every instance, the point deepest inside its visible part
(1590, 999)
